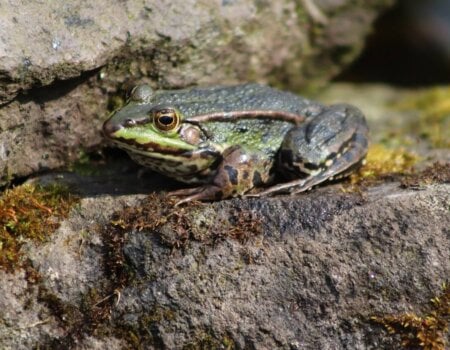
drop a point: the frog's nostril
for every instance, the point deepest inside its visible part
(129, 122)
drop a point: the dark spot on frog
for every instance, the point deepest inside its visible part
(245, 174)
(310, 166)
(232, 174)
(286, 156)
(192, 168)
(331, 156)
(257, 178)
(208, 153)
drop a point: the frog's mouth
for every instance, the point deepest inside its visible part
(152, 145)
(141, 139)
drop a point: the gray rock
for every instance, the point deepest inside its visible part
(311, 281)
(59, 62)
(312, 271)
(24, 322)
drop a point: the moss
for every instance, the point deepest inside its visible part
(88, 164)
(157, 315)
(146, 331)
(115, 102)
(150, 321)
(87, 317)
(30, 213)
(382, 161)
(181, 224)
(228, 343)
(82, 165)
(206, 341)
(433, 106)
(436, 173)
(426, 332)
(7, 176)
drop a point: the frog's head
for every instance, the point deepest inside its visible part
(158, 132)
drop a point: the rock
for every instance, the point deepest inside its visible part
(312, 280)
(56, 87)
(231, 274)
(178, 43)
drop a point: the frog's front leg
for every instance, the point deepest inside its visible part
(329, 145)
(239, 172)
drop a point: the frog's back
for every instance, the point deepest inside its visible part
(200, 101)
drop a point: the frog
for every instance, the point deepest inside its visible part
(238, 140)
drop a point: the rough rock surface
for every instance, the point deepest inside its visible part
(60, 62)
(311, 281)
(310, 278)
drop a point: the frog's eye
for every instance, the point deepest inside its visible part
(166, 119)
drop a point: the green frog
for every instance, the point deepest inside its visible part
(236, 140)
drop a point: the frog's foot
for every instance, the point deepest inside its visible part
(201, 193)
(342, 167)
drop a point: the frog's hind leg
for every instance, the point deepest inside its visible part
(329, 146)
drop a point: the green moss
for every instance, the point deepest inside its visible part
(159, 314)
(228, 343)
(6, 177)
(115, 102)
(382, 161)
(30, 212)
(88, 164)
(433, 106)
(426, 332)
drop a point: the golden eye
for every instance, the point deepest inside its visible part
(166, 119)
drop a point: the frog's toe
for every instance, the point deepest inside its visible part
(283, 188)
(201, 193)
(183, 192)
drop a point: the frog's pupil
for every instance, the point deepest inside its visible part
(166, 120)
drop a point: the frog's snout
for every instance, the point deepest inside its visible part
(110, 128)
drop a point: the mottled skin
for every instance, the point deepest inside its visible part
(233, 139)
